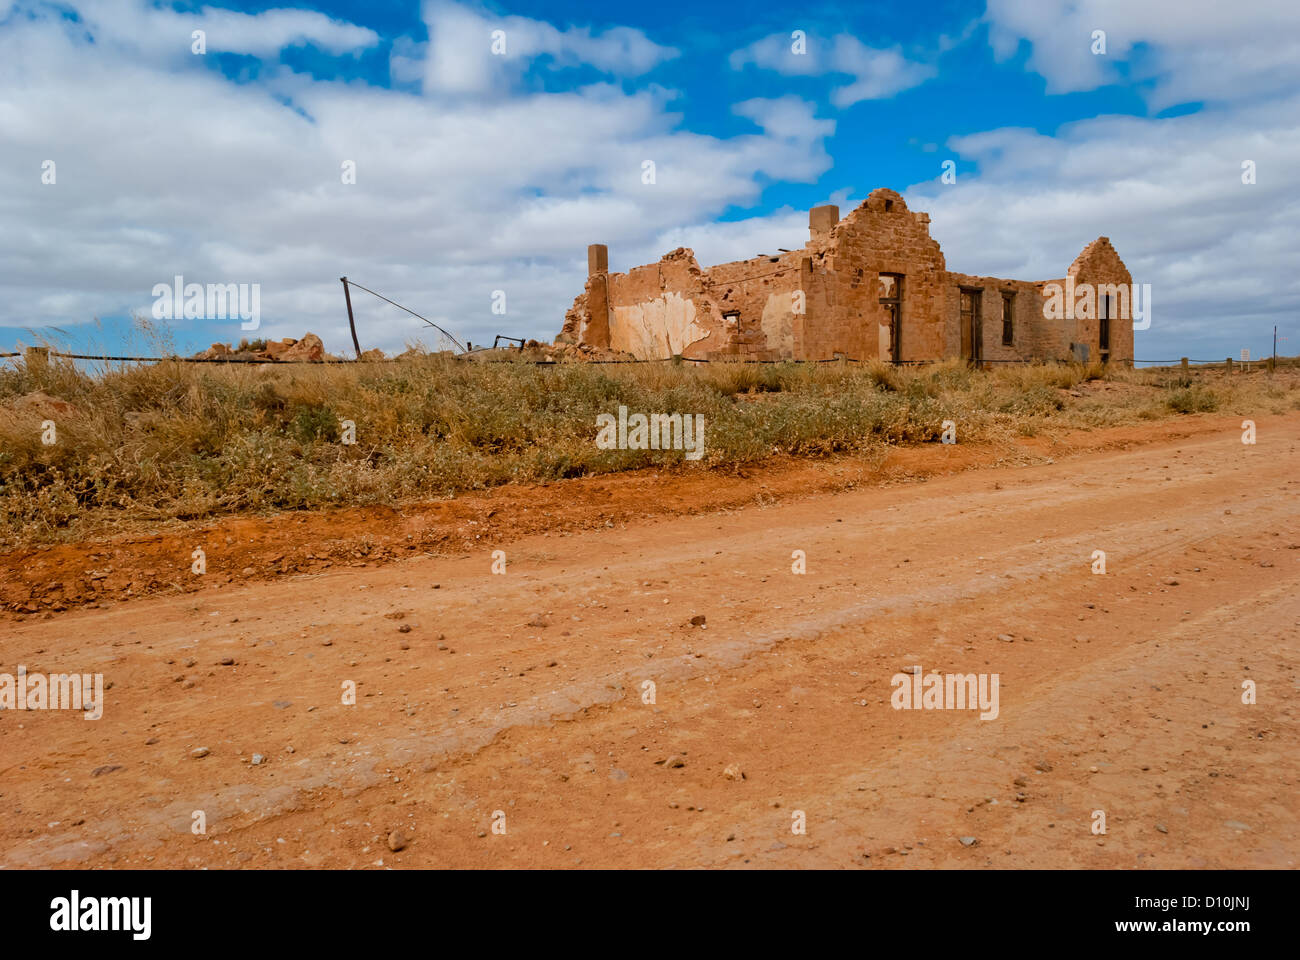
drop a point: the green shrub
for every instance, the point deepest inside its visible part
(1193, 400)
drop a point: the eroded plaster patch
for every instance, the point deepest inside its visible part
(656, 329)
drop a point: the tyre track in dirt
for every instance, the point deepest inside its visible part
(545, 722)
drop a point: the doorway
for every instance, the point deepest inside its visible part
(972, 329)
(891, 299)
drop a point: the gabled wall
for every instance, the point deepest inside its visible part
(880, 236)
(1100, 265)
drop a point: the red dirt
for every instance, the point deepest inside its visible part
(534, 706)
(53, 578)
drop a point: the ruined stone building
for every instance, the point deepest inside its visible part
(872, 285)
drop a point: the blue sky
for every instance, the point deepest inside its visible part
(478, 173)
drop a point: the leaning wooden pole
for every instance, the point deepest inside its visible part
(352, 323)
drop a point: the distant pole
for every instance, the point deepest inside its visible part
(351, 322)
(1275, 344)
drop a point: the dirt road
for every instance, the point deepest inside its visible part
(515, 702)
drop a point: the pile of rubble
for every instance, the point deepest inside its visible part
(533, 351)
(309, 349)
(562, 351)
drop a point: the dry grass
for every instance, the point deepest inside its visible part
(175, 440)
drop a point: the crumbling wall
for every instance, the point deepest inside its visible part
(825, 299)
(651, 312)
(1039, 331)
(759, 302)
(661, 309)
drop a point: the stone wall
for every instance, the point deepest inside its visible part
(825, 300)
(758, 302)
(1100, 266)
(662, 309)
(880, 236)
(1032, 337)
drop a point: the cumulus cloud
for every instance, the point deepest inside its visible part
(474, 52)
(876, 73)
(160, 33)
(166, 169)
(730, 240)
(1177, 51)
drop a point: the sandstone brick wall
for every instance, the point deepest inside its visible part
(824, 300)
(1099, 265)
(651, 312)
(880, 236)
(1033, 338)
(756, 299)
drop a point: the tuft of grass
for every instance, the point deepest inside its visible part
(1197, 399)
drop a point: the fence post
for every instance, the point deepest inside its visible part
(351, 323)
(1229, 364)
(1271, 361)
(36, 358)
(1184, 366)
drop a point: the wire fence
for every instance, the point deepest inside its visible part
(469, 354)
(472, 356)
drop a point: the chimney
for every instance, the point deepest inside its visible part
(595, 330)
(821, 220)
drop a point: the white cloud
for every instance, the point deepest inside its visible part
(160, 33)
(730, 240)
(165, 169)
(877, 74)
(475, 52)
(786, 116)
(1179, 51)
